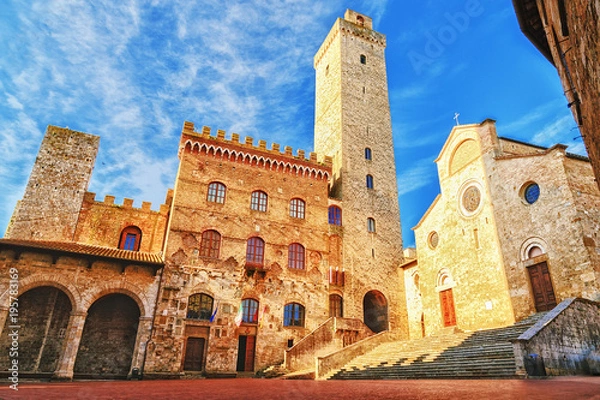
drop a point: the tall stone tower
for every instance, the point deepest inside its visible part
(353, 126)
(60, 177)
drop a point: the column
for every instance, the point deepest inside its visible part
(71, 346)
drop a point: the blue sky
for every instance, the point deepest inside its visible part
(131, 71)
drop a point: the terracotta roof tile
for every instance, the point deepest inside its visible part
(87, 249)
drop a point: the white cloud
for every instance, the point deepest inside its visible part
(418, 175)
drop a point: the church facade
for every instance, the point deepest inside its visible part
(513, 232)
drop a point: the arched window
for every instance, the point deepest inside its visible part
(371, 225)
(335, 215)
(363, 59)
(258, 201)
(369, 181)
(368, 155)
(255, 251)
(296, 256)
(297, 207)
(336, 305)
(200, 306)
(211, 244)
(216, 193)
(293, 315)
(250, 311)
(131, 238)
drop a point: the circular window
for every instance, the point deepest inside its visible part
(470, 199)
(433, 239)
(531, 193)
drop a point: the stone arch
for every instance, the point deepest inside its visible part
(375, 311)
(136, 294)
(528, 245)
(44, 312)
(108, 339)
(463, 154)
(58, 281)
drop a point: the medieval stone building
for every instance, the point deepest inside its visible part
(254, 248)
(513, 232)
(260, 254)
(567, 33)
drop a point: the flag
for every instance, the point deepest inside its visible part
(214, 314)
(239, 316)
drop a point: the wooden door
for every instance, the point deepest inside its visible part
(448, 312)
(246, 348)
(194, 354)
(541, 285)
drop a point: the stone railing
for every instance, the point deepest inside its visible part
(338, 359)
(330, 336)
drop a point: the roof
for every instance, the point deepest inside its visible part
(86, 250)
(531, 25)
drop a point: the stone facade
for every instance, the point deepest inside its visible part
(514, 231)
(568, 35)
(254, 248)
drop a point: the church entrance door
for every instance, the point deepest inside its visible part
(448, 312)
(541, 285)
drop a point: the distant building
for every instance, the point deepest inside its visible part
(567, 33)
(514, 231)
(253, 250)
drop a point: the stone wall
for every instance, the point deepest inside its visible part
(101, 222)
(563, 338)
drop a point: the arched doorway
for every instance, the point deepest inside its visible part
(108, 338)
(375, 310)
(43, 315)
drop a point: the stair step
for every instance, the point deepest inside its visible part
(485, 353)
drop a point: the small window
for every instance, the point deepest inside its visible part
(369, 181)
(211, 244)
(293, 315)
(335, 215)
(368, 154)
(562, 13)
(363, 59)
(250, 311)
(296, 256)
(131, 237)
(531, 193)
(216, 193)
(200, 307)
(297, 207)
(258, 201)
(336, 305)
(255, 251)
(370, 225)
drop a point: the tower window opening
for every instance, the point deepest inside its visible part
(363, 59)
(368, 154)
(369, 181)
(371, 226)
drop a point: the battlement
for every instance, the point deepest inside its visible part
(109, 200)
(355, 24)
(235, 150)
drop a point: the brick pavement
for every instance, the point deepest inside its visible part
(264, 389)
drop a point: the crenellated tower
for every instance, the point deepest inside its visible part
(55, 191)
(353, 126)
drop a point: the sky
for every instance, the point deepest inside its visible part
(132, 71)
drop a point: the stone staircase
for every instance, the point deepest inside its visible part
(485, 353)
